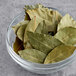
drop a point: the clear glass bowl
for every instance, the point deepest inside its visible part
(33, 67)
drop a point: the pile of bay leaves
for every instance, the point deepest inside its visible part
(44, 36)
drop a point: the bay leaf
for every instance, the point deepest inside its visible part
(42, 42)
(45, 28)
(38, 12)
(18, 45)
(27, 45)
(59, 53)
(27, 17)
(42, 28)
(33, 6)
(67, 36)
(21, 30)
(39, 27)
(58, 16)
(66, 21)
(16, 27)
(51, 16)
(32, 55)
(32, 25)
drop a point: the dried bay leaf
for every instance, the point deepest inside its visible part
(27, 45)
(32, 55)
(42, 42)
(38, 13)
(32, 25)
(67, 36)
(39, 27)
(16, 27)
(58, 16)
(66, 21)
(59, 53)
(51, 16)
(18, 45)
(44, 28)
(47, 28)
(27, 17)
(33, 6)
(21, 30)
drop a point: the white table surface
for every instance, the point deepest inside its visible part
(8, 10)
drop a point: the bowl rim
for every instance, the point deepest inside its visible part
(28, 63)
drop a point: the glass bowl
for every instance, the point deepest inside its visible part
(30, 66)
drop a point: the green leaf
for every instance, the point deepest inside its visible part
(67, 36)
(32, 55)
(21, 30)
(59, 53)
(18, 45)
(32, 25)
(66, 21)
(42, 42)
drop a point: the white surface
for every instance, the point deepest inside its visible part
(8, 10)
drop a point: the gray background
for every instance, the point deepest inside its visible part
(8, 10)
